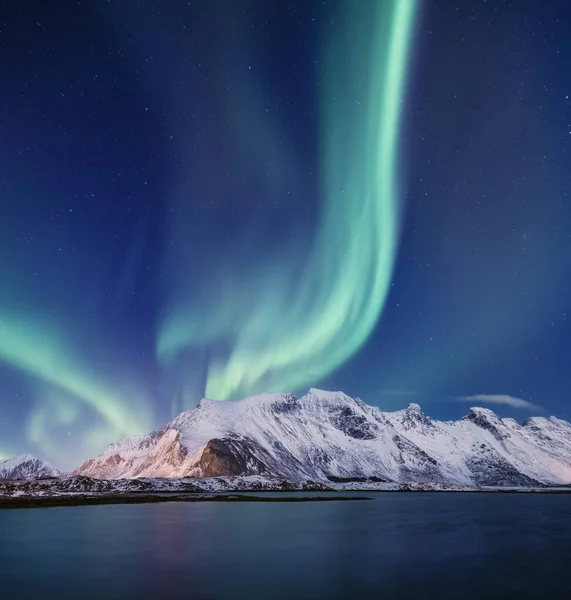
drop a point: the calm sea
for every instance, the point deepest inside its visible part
(399, 545)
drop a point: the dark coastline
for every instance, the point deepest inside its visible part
(90, 500)
(49, 501)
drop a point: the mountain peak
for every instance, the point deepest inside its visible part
(24, 457)
(479, 412)
(26, 466)
(327, 395)
(205, 402)
(488, 420)
(17, 460)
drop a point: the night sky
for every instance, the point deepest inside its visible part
(227, 197)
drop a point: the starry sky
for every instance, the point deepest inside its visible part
(227, 197)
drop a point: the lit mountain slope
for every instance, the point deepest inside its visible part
(325, 435)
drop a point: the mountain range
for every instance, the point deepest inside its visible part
(331, 437)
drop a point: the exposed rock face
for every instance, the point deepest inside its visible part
(490, 468)
(420, 466)
(26, 466)
(325, 435)
(354, 425)
(229, 457)
(487, 419)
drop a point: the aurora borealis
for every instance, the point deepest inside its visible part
(226, 198)
(285, 329)
(65, 387)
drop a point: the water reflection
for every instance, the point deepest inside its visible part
(396, 546)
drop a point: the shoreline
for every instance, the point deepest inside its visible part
(14, 502)
(86, 499)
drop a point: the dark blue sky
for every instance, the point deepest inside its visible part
(161, 171)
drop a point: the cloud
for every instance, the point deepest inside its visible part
(504, 399)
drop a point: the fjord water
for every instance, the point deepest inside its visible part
(398, 545)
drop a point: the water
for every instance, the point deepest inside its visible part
(399, 545)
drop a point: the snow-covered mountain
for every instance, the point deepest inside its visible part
(328, 436)
(26, 466)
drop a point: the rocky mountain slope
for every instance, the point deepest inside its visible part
(330, 437)
(26, 466)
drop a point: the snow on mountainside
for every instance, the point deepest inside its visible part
(328, 436)
(26, 466)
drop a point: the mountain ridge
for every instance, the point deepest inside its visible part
(26, 466)
(324, 435)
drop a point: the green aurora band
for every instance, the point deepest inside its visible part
(64, 387)
(286, 331)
